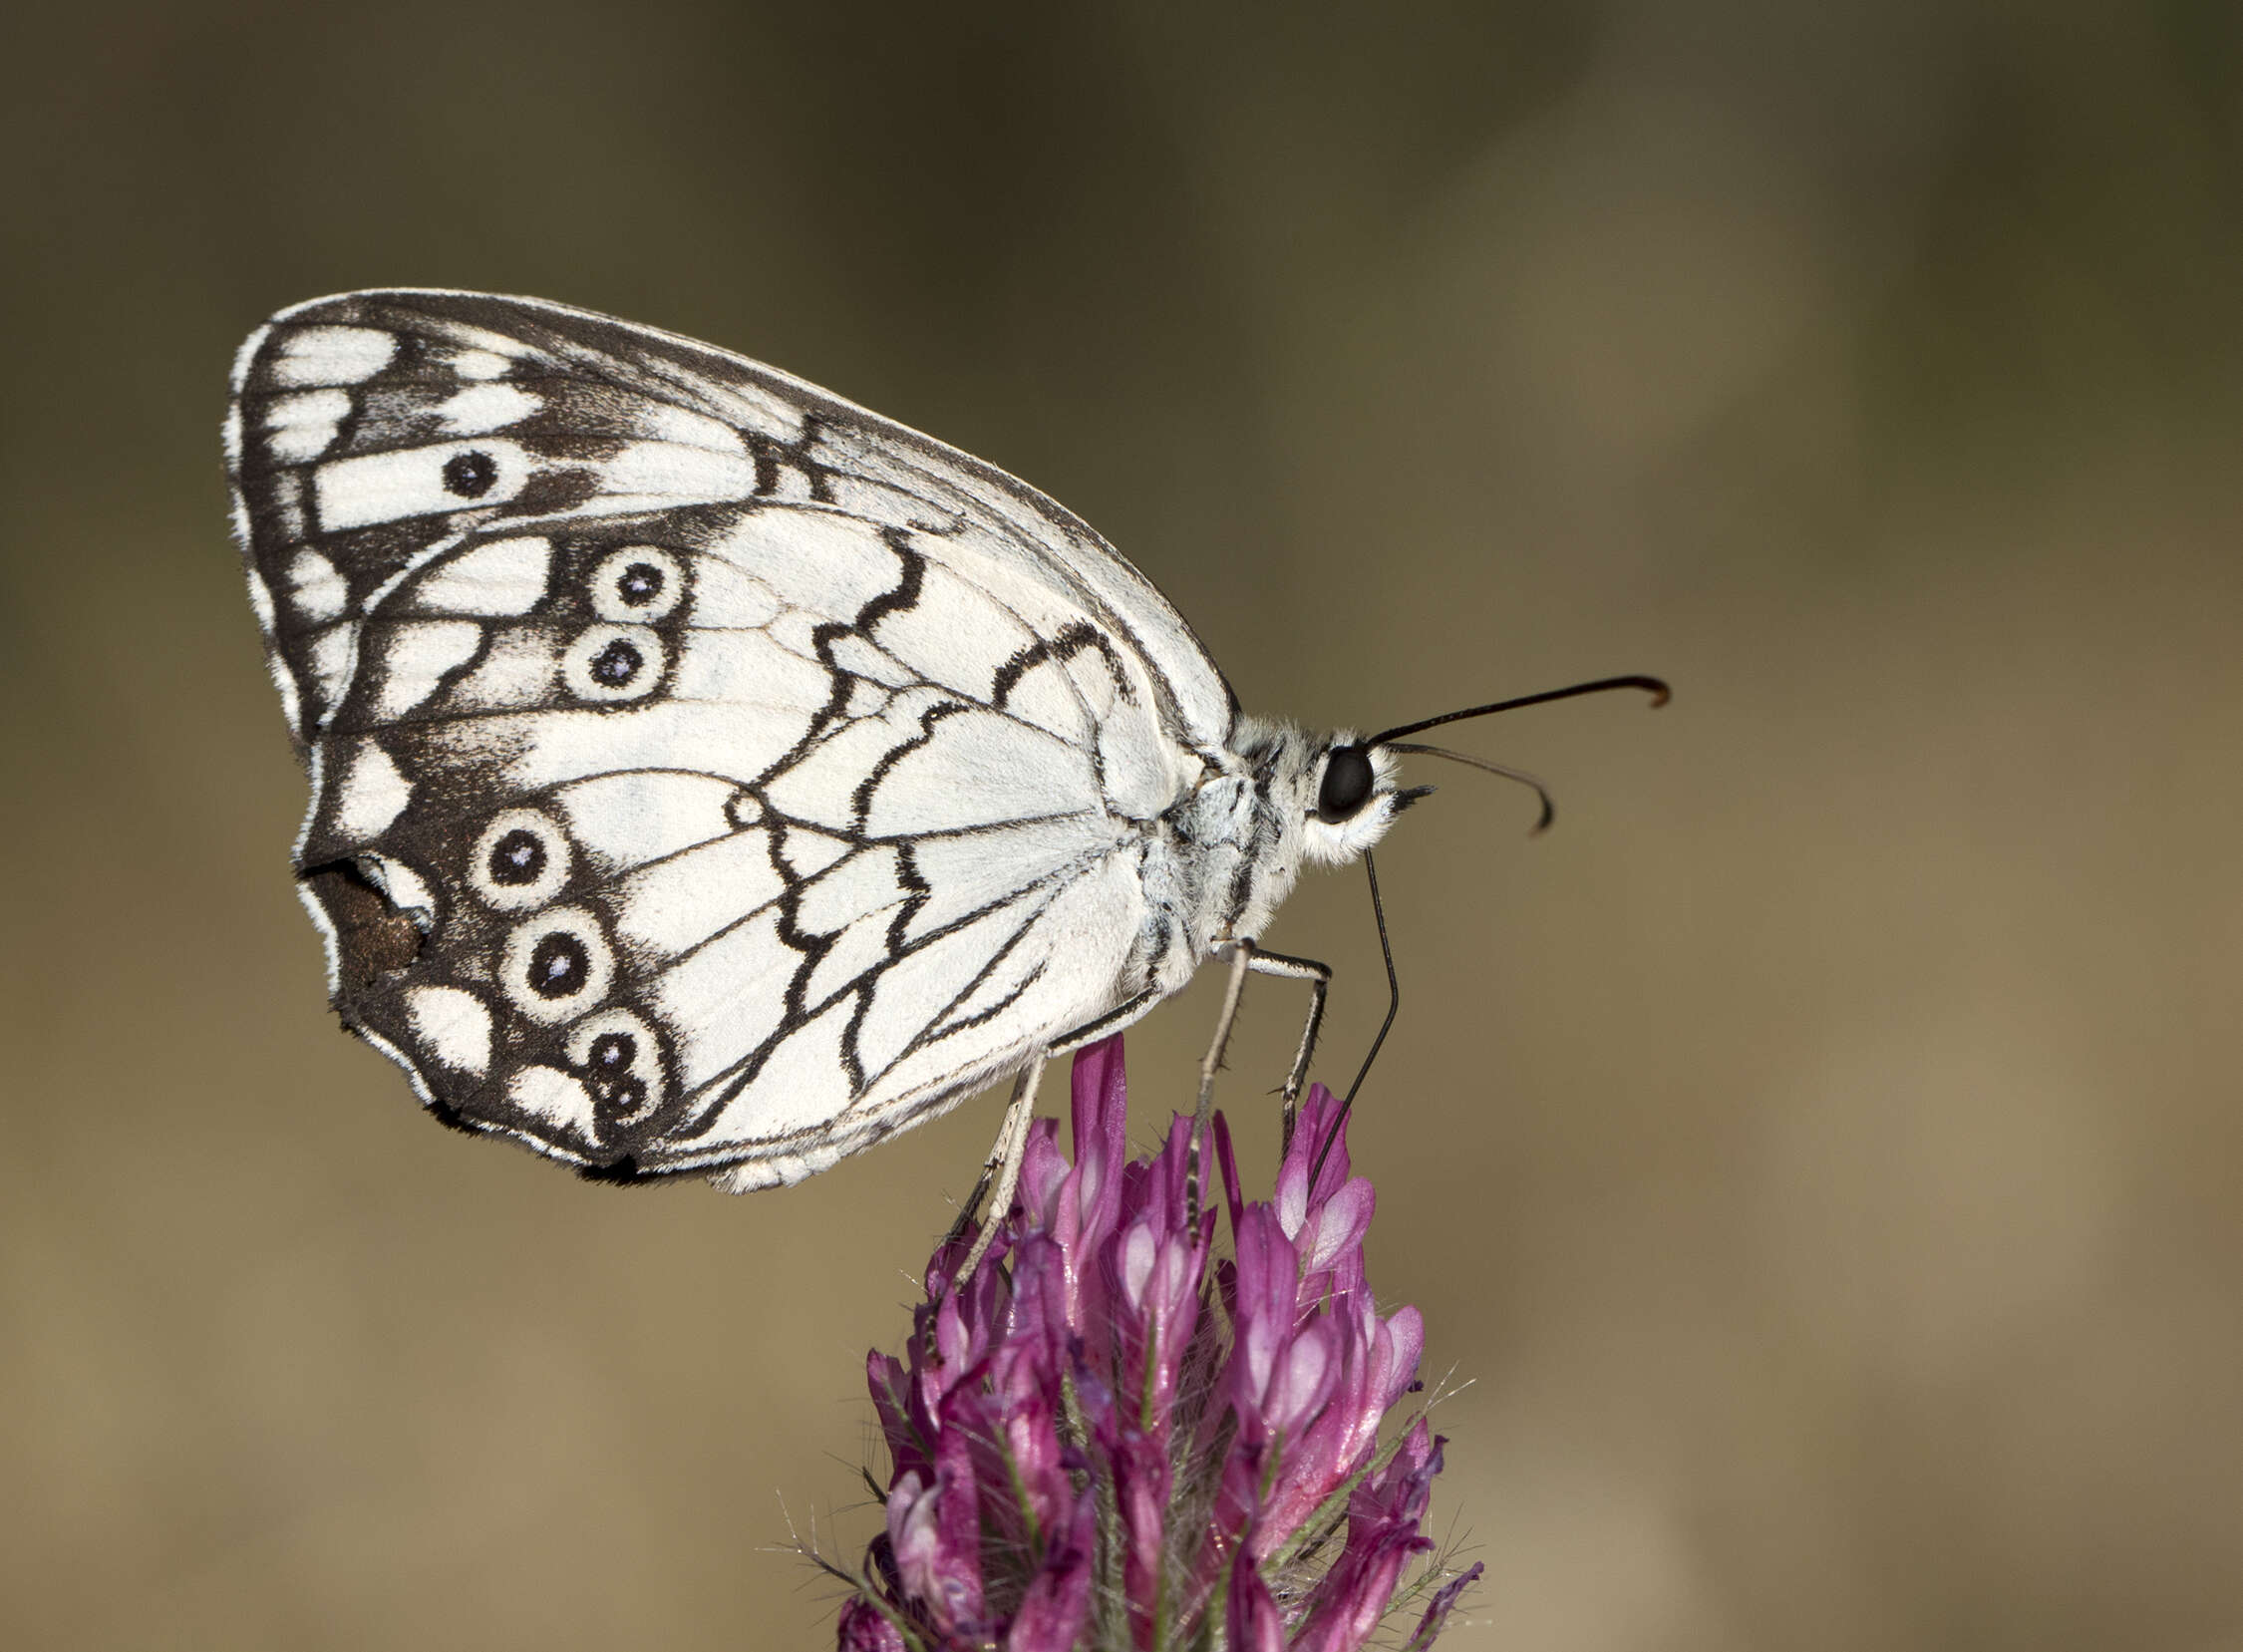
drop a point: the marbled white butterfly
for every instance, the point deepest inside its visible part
(710, 774)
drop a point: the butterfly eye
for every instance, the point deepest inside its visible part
(1347, 784)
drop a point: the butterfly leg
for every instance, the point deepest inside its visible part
(1241, 959)
(1000, 1178)
(1319, 978)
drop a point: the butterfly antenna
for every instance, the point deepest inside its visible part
(1393, 1007)
(1392, 741)
(1549, 808)
(1652, 686)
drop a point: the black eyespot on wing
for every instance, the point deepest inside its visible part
(620, 1102)
(516, 858)
(1346, 787)
(470, 475)
(616, 664)
(558, 965)
(612, 1052)
(639, 584)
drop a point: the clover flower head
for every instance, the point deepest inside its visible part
(1108, 1438)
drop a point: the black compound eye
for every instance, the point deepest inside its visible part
(616, 664)
(518, 859)
(639, 584)
(1347, 780)
(470, 475)
(558, 965)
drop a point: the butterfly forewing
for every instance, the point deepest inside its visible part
(705, 772)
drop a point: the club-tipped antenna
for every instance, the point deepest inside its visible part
(1652, 686)
(1393, 1007)
(1549, 808)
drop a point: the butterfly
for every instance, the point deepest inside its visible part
(710, 774)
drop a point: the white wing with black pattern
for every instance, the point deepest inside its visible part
(705, 772)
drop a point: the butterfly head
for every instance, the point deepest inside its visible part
(1351, 797)
(1351, 778)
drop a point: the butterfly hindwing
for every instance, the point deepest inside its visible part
(706, 772)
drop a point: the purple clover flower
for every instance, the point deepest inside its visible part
(1097, 1445)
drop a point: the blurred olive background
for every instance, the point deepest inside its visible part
(1820, 1156)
